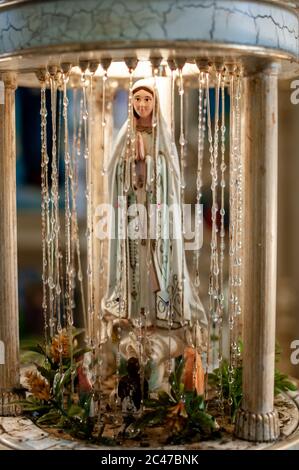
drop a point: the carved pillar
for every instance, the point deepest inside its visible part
(257, 420)
(9, 315)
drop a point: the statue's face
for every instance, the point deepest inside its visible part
(143, 102)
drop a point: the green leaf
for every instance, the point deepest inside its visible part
(75, 410)
(48, 374)
(40, 350)
(61, 380)
(177, 388)
(29, 406)
(80, 352)
(152, 403)
(151, 418)
(165, 399)
(179, 368)
(37, 348)
(77, 331)
(85, 401)
(52, 417)
(282, 383)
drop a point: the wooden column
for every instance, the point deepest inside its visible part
(9, 314)
(257, 420)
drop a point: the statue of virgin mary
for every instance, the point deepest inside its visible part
(148, 280)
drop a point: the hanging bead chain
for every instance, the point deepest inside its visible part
(157, 165)
(200, 153)
(222, 188)
(54, 283)
(173, 68)
(104, 80)
(74, 96)
(60, 268)
(121, 282)
(88, 233)
(222, 245)
(133, 152)
(173, 75)
(214, 264)
(211, 152)
(214, 273)
(76, 154)
(184, 164)
(136, 240)
(69, 268)
(182, 143)
(91, 125)
(170, 312)
(214, 174)
(238, 261)
(232, 235)
(73, 183)
(100, 362)
(59, 146)
(94, 317)
(127, 162)
(45, 216)
(235, 232)
(75, 240)
(171, 228)
(186, 121)
(182, 140)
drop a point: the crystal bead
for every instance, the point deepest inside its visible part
(51, 283)
(182, 140)
(89, 270)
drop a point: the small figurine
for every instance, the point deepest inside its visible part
(193, 374)
(129, 388)
(147, 269)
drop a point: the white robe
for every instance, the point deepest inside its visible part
(165, 256)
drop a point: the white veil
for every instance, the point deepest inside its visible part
(189, 310)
